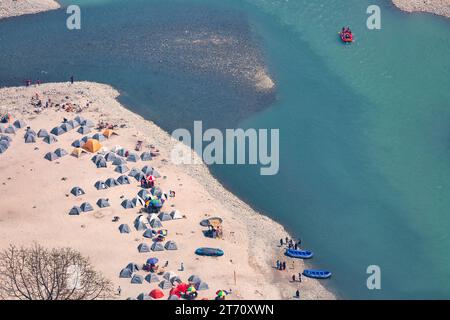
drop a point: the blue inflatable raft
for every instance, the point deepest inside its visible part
(300, 254)
(210, 252)
(317, 274)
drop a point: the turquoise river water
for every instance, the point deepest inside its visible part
(364, 129)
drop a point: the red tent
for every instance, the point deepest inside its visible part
(179, 290)
(156, 294)
(182, 287)
(175, 292)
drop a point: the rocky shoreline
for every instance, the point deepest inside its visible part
(13, 8)
(438, 7)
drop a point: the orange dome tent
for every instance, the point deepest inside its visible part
(108, 133)
(92, 145)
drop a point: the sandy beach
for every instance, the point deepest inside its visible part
(439, 7)
(12, 8)
(39, 200)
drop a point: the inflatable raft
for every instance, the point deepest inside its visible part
(300, 254)
(346, 37)
(317, 274)
(209, 252)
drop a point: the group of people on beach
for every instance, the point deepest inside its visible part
(290, 243)
(29, 82)
(299, 277)
(281, 265)
(39, 105)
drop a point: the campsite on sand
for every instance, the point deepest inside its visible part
(81, 171)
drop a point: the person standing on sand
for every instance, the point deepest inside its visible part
(71, 79)
(284, 265)
(281, 242)
(293, 278)
(119, 290)
(300, 277)
(182, 267)
(297, 294)
(278, 264)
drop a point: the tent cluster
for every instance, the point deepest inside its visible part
(150, 223)
(88, 144)
(11, 128)
(92, 144)
(64, 127)
(67, 125)
(153, 197)
(153, 200)
(169, 281)
(87, 128)
(58, 153)
(85, 207)
(157, 246)
(119, 155)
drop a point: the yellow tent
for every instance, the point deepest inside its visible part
(216, 225)
(108, 133)
(92, 145)
(215, 222)
(77, 152)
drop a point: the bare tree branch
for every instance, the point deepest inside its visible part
(37, 273)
